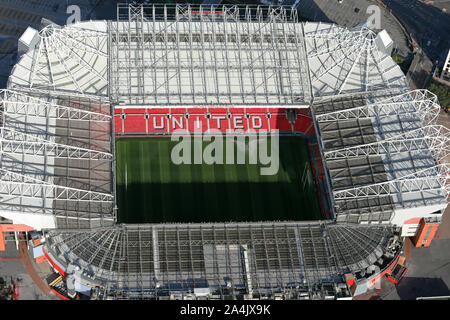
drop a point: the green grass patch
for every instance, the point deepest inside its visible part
(397, 59)
(404, 63)
(442, 92)
(152, 189)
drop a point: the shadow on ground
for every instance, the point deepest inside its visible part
(410, 288)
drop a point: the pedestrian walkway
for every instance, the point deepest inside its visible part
(23, 250)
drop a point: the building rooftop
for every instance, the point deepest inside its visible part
(229, 259)
(376, 147)
(256, 58)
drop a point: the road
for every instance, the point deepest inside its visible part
(18, 265)
(347, 15)
(428, 24)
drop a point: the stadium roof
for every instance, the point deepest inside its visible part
(236, 56)
(56, 160)
(382, 150)
(148, 261)
(244, 56)
(383, 153)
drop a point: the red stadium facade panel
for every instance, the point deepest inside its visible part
(135, 123)
(198, 122)
(131, 120)
(280, 122)
(258, 122)
(425, 233)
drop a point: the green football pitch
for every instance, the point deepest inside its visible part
(152, 189)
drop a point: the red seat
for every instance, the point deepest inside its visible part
(118, 124)
(310, 131)
(239, 122)
(135, 123)
(237, 110)
(302, 123)
(158, 110)
(197, 122)
(258, 122)
(219, 122)
(197, 110)
(178, 110)
(277, 110)
(158, 123)
(178, 122)
(216, 110)
(278, 121)
(304, 111)
(256, 110)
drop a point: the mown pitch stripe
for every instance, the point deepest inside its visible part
(160, 191)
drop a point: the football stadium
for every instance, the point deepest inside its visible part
(87, 134)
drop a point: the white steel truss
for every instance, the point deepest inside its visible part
(422, 102)
(21, 104)
(18, 185)
(434, 138)
(121, 258)
(204, 55)
(71, 59)
(218, 13)
(41, 140)
(430, 179)
(348, 60)
(15, 142)
(352, 43)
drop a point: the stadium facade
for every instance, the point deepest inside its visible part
(381, 153)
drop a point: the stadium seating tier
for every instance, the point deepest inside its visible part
(142, 121)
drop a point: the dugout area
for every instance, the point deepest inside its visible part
(152, 189)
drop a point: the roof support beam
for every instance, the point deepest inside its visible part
(19, 185)
(422, 102)
(21, 104)
(15, 142)
(434, 138)
(431, 179)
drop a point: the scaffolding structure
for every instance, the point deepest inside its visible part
(56, 159)
(383, 153)
(70, 60)
(207, 56)
(213, 55)
(290, 260)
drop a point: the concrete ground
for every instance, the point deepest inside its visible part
(441, 4)
(419, 72)
(12, 267)
(428, 274)
(345, 14)
(427, 23)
